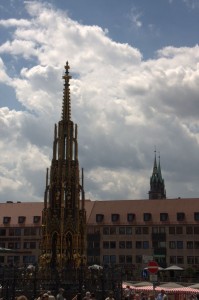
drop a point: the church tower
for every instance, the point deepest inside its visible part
(157, 187)
(64, 216)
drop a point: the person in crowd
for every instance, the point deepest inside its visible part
(22, 297)
(151, 297)
(110, 296)
(137, 297)
(51, 297)
(143, 296)
(162, 296)
(45, 296)
(60, 294)
(87, 296)
(40, 295)
(93, 296)
(127, 293)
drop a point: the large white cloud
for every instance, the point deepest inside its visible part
(124, 106)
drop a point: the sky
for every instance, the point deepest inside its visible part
(134, 90)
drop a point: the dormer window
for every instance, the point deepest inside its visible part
(180, 216)
(130, 217)
(6, 220)
(21, 219)
(147, 217)
(36, 219)
(115, 217)
(99, 218)
(164, 217)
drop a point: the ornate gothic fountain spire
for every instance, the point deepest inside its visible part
(64, 217)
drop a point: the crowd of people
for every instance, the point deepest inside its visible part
(128, 294)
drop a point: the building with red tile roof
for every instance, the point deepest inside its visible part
(120, 232)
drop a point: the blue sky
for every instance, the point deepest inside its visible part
(135, 87)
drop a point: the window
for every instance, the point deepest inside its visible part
(138, 230)
(138, 244)
(145, 244)
(14, 232)
(14, 245)
(2, 232)
(30, 231)
(189, 230)
(21, 219)
(11, 232)
(147, 217)
(122, 230)
(130, 217)
(6, 220)
(180, 216)
(189, 244)
(29, 245)
(2, 244)
(128, 244)
(172, 230)
(36, 219)
(155, 230)
(106, 259)
(115, 217)
(121, 244)
(17, 231)
(129, 259)
(172, 244)
(145, 230)
(106, 230)
(112, 259)
(162, 229)
(129, 230)
(13, 259)
(179, 244)
(196, 230)
(196, 216)
(180, 260)
(190, 260)
(196, 245)
(112, 245)
(112, 230)
(163, 217)
(179, 230)
(10, 245)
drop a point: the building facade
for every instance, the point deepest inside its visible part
(120, 232)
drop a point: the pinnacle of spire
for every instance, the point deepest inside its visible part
(159, 169)
(66, 105)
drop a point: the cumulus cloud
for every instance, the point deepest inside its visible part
(124, 106)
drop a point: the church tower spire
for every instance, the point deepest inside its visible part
(64, 216)
(157, 187)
